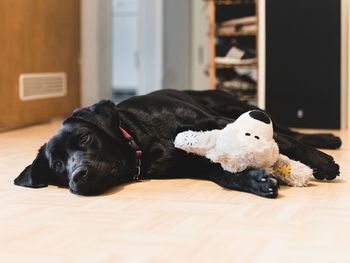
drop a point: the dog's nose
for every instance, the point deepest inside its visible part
(79, 175)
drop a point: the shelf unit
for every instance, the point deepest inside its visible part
(213, 35)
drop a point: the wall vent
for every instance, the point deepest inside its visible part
(42, 85)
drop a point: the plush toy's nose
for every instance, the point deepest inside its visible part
(260, 116)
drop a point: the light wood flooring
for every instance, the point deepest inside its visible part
(168, 220)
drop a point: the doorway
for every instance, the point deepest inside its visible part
(141, 46)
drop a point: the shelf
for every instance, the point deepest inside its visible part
(236, 34)
(247, 97)
(224, 66)
(242, 97)
(232, 2)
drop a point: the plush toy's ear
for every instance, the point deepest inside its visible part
(37, 174)
(260, 116)
(103, 114)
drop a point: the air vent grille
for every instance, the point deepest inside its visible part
(42, 85)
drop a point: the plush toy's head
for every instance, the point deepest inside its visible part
(248, 142)
(257, 123)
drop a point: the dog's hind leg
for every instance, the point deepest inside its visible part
(319, 140)
(323, 165)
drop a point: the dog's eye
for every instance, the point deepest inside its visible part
(256, 137)
(247, 134)
(57, 166)
(84, 140)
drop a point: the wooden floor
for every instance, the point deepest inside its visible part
(168, 221)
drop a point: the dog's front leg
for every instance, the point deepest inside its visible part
(254, 181)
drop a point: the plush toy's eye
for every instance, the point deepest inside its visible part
(256, 137)
(247, 134)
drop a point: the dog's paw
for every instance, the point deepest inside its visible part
(326, 167)
(262, 184)
(253, 181)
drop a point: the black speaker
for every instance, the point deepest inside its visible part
(303, 62)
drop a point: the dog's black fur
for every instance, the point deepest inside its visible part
(90, 154)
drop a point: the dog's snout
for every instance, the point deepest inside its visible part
(80, 175)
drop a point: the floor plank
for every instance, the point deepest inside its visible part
(169, 220)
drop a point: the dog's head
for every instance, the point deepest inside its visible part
(87, 154)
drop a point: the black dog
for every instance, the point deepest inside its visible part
(106, 144)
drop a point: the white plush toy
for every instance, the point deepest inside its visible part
(246, 143)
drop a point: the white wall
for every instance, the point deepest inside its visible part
(177, 44)
(199, 63)
(125, 65)
(95, 51)
(89, 74)
(150, 45)
(261, 54)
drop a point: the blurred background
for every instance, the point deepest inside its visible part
(289, 57)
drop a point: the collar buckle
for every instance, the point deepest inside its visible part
(138, 154)
(138, 166)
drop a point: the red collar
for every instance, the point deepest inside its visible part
(138, 153)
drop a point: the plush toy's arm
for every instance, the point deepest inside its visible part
(196, 142)
(291, 172)
(205, 144)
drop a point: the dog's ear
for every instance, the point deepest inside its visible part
(103, 114)
(37, 174)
